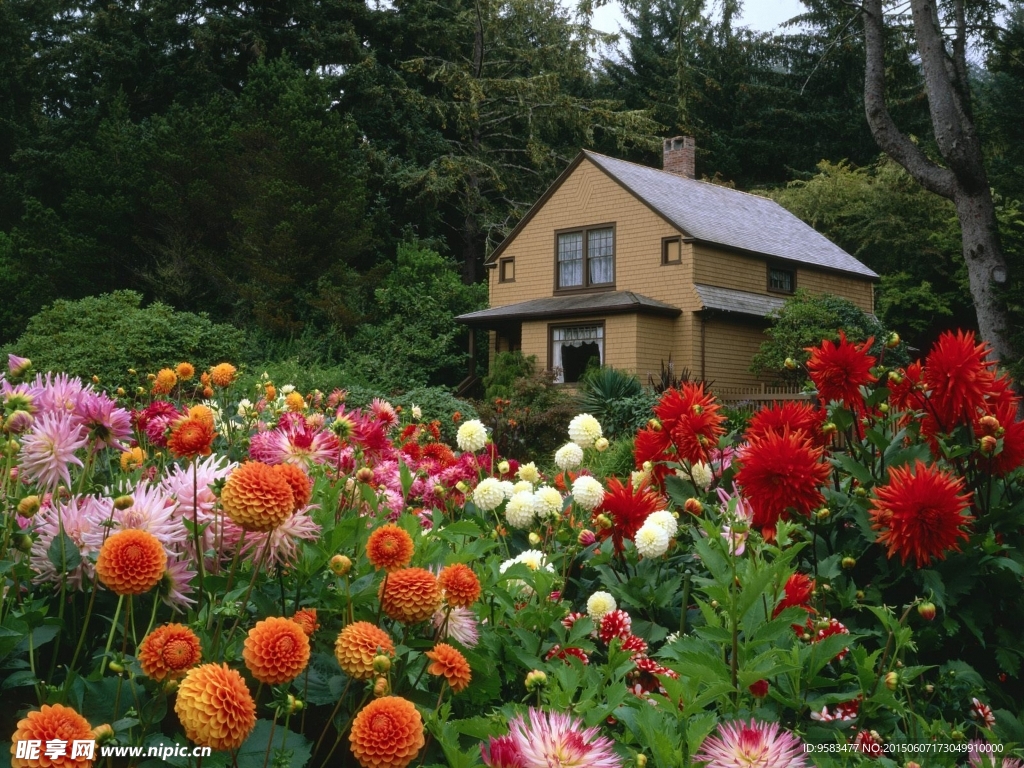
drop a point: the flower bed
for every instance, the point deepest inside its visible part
(292, 581)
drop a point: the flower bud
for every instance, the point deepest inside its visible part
(823, 514)
(641, 760)
(859, 594)
(892, 680)
(116, 667)
(989, 424)
(601, 444)
(759, 689)
(956, 735)
(294, 704)
(28, 506)
(124, 502)
(103, 733)
(926, 610)
(895, 377)
(654, 425)
(534, 539)
(340, 565)
(18, 422)
(364, 475)
(828, 428)
(120, 391)
(790, 364)
(893, 340)
(693, 506)
(586, 538)
(883, 407)
(461, 487)
(23, 542)
(535, 679)
(503, 468)
(989, 445)
(381, 664)
(603, 522)
(381, 687)
(849, 563)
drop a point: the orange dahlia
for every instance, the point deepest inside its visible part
(169, 652)
(389, 547)
(448, 663)
(132, 459)
(781, 471)
(164, 381)
(191, 437)
(461, 586)
(919, 513)
(257, 497)
(202, 413)
(298, 481)
(185, 371)
(215, 707)
(295, 402)
(306, 618)
(839, 370)
(387, 733)
(276, 650)
(51, 723)
(131, 562)
(270, 391)
(223, 375)
(357, 644)
(410, 595)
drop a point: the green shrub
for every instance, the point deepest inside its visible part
(106, 335)
(617, 399)
(507, 367)
(804, 320)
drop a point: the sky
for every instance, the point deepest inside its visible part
(762, 15)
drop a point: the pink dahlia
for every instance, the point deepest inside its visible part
(153, 511)
(79, 516)
(741, 745)
(57, 393)
(558, 738)
(49, 448)
(283, 540)
(459, 624)
(501, 752)
(297, 443)
(105, 423)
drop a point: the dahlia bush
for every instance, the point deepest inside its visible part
(291, 581)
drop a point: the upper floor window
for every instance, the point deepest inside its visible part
(507, 270)
(671, 250)
(586, 258)
(781, 280)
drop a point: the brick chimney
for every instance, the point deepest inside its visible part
(677, 156)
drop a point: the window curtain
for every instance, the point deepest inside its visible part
(570, 260)
(600, 256)
(575, 336)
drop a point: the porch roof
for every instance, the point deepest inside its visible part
(603, 303)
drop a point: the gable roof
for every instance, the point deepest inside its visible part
(716, 215)
(604, 303)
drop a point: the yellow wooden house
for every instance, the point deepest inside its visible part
(633, 266)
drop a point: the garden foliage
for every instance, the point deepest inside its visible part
(294, 578)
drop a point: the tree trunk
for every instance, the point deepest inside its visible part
(963, 180)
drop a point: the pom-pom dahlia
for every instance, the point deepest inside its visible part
(410, 595)
(521, 510)
(599, 604)
(387, 733)
(569, 456)
(548, 502)
(449, 663)
(276, 650)
(190, 438)
(651, 540)
(51, 723)
(663, 519)
(306, 618)
(215, 707)
(389, 547)
(299, 482)
(168, 652)
(472, 436)
(488, 494)
(223, 375)
(356, 646)
(257, 497)
(461, 586)
(584, 430)
(131, 562)
(587, 492)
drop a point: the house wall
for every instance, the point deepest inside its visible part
(726, 269)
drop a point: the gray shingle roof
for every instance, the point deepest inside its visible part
(729, 300)
(723, 216)
(605, 303)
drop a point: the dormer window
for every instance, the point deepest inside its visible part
(585, 258)
(781, 280)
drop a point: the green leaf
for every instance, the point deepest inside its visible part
(19, 678)
(64, 553)
(253, 753)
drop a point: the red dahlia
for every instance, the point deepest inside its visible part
(799, 417)
(958, 376)
(690, 416)
(839, 370)
(919, 513)
(781, 471)
(628, 508)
